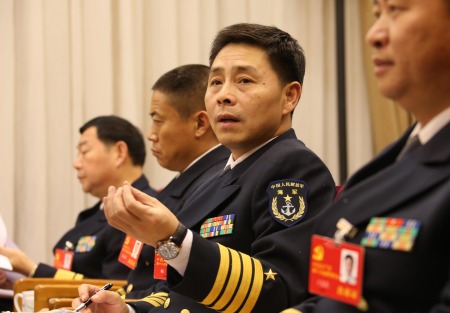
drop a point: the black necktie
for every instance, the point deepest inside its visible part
(410, 146)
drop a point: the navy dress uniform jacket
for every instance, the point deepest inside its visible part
(262, 265)
(174, 196)
(100, 258)
(416, 187)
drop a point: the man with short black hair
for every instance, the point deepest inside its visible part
(110, 151)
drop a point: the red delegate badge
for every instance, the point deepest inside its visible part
(63, 259)
(130, 252)
(336, 270)
(160, 267)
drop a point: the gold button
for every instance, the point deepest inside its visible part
(166, 303)
(130, 288)
(185, 311)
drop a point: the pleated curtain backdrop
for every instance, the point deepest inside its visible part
(63, 62)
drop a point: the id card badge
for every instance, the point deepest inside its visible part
(336, 270)
(160, 267)
(131, 249)
(63, 259)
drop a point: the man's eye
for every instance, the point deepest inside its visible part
(215, 82)
(245, 81)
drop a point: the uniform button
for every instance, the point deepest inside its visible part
(130, 288)
(185, 311)
(167, 303)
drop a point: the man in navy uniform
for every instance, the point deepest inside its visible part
(110, 150)
(396, 209)
(182, 141)
(249, 227)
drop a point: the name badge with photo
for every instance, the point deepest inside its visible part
(336, 270)
(63, 259)
(129, 254)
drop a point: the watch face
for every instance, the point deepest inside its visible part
(168, 250)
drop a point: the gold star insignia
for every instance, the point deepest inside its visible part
(270, 275)
(288, 198)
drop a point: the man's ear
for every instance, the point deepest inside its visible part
(292, 92)
(202, 123)
(121, 152)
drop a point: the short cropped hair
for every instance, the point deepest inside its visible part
(112, 129)
(285, 54)
(186, 85)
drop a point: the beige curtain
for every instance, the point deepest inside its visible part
(63, 62)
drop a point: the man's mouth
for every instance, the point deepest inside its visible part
(227, 118)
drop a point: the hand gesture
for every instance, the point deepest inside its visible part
(139, 215)
(103, 301)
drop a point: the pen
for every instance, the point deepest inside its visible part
(88, 301)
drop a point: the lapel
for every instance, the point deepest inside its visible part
(384, 159)
(184, 181)
(208, 196)
(215, 191)
(91, 213)
(396, 182)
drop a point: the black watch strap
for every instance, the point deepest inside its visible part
(179, 235)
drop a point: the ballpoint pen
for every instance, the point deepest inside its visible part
(88, 301)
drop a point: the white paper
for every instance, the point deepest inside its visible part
(4, 263)
(3, 233)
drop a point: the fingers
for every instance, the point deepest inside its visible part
(141, 196)
(6, 251)
(102, 301)
(76, 302)
(136, 213)
(115, 211)
(132, 205)
(85, 290)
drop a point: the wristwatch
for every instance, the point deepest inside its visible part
(170, 248)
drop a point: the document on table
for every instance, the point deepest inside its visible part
(4, 261)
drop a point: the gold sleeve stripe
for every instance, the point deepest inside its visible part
(122, 292)
(238, 284)
(64, 274)
(258, 280)
(245, 285)
(221, 276)
(234, 278)
(251, 286)
(156, 299)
